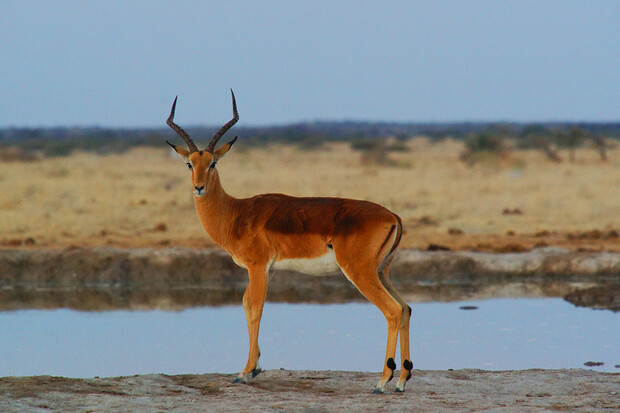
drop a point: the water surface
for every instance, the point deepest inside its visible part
(501, 334)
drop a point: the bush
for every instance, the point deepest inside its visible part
(484, 146)
(486, 142)
(571, 140)
(311, 143)
(377, 151)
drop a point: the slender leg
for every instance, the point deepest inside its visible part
(407, 365)
(253, 302)
(403, 330)
(368, 283)
(390, 352)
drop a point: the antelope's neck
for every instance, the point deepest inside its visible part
(216, 211)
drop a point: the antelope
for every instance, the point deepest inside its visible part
(312, 235)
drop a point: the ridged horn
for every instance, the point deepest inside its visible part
(224, 129)
(170, 121)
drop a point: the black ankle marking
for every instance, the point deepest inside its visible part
(407, 365)
(255, 372)
(390, 363)
(409, 310)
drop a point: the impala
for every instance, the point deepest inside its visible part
(313, 236)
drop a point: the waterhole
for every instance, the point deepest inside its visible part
(499, 334)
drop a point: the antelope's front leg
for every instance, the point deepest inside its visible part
(253, 302)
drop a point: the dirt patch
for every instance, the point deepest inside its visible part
(25, 387)
(319, 391)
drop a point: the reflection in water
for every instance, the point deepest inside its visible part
(501, 334)
(599, 297)
(295, 289)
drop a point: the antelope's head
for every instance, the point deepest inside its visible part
(201, 163)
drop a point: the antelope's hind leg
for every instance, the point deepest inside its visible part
(367, 268)
(253, 302)
(403, 329)
(367, 282)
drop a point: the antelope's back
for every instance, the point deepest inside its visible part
(306, 227)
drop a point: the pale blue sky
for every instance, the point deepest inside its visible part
(112, 63)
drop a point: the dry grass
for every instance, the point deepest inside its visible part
(142, 198)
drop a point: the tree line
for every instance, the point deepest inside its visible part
(478, 136)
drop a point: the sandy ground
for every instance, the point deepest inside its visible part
(319, 391)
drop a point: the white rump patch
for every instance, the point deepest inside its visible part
(323, 265)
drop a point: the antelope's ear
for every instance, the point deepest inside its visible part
(183, 153)
(221, 152)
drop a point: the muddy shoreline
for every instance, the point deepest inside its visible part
(318, 391)
(105, 278)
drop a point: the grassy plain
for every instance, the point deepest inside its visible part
(142, 197)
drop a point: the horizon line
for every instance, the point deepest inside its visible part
(325, 121)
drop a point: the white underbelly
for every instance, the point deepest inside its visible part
(323, 265)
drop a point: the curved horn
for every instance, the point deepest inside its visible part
(224, 129)
(170, 121)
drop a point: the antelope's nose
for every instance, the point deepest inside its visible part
(199, 188)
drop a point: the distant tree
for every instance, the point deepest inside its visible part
(402, 137)
(373, 150)
(600, 143)
(543, 142)
(571, 140)
(502, 130)
(311, 142)
(533, 130)
(377, 150)
(484, 143)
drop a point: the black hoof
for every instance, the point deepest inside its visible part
(239, 380)
(397, 390)
(255, 372)
(378, 391)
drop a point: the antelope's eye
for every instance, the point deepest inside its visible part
(213, 165)
(189, 165)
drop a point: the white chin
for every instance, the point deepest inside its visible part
(198, 195)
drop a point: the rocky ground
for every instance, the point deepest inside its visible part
(318, 391)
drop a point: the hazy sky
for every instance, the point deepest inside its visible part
(113, 63)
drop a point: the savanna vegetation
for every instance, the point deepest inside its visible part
(494, 189)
